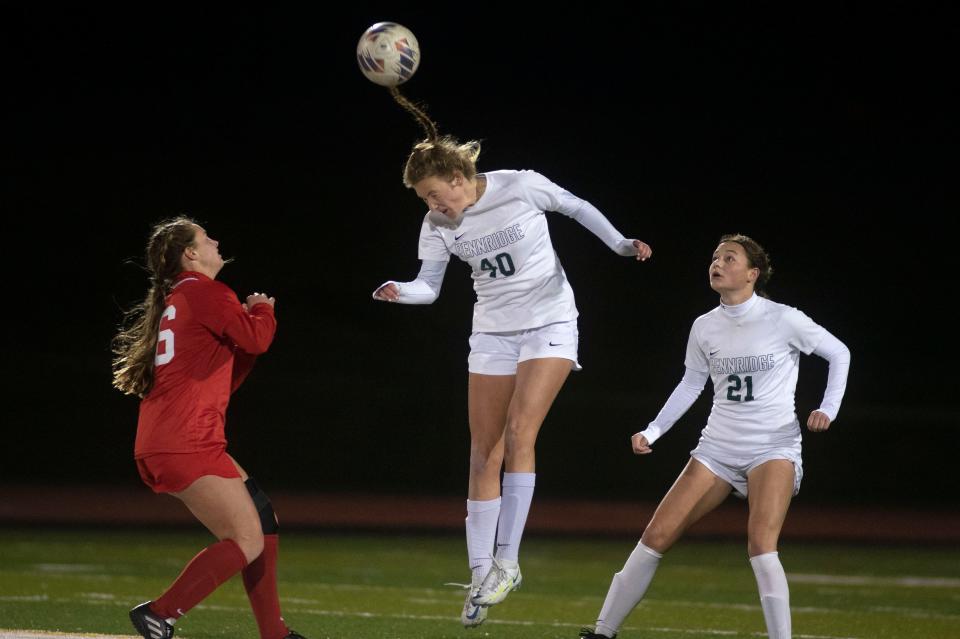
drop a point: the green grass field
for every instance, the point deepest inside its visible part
(391, 586)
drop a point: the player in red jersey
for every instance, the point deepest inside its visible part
(184, 350)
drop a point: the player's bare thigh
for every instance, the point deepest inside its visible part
(488, 399)
(538, 383)
(224, 506)
(695, 493)
(770, 489)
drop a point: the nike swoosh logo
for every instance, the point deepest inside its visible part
(476, 611)
(458, 237)
(712, 353)
(552, 344)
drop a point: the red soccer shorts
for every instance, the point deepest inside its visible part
(173, 472)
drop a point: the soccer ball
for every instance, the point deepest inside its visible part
(388, 54)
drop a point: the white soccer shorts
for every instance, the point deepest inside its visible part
(499, 353)
(734, 469)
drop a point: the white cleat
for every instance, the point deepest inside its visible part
(503, 577)
(472, 615)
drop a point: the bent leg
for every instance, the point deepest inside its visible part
(223, 505)
(696, 492)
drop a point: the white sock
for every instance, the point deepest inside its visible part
(517, 495)
(482, 519)
(774, 594)
(627, 589)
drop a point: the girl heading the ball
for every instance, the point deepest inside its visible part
(525, 339)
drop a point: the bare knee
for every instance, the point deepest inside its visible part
(250, 541)
(521, 440)
(659, 537)
(246, 532)
(761, 538)
(760, 544)
(485, 460)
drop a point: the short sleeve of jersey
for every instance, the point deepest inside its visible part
(432, 246)
(696, 359)
(800, 331)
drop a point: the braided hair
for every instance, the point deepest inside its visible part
(134, 346)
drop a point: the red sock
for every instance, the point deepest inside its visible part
(260, 580)
(211, 567)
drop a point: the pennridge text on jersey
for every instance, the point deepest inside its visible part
(488, 243)
(750, 364)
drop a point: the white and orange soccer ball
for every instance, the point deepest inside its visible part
(388, 54)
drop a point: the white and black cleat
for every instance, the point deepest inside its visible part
(149, 625)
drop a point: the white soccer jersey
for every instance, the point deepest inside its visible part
(504, 237)
(753, 361)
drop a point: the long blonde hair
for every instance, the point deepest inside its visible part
(436, 155)
(134, 346)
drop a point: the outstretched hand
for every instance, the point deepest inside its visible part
(643, 250)
(818, 421)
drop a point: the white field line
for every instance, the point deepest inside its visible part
(898, 610)
(800, 578)
(886, 582)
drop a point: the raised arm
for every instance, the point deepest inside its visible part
(594, 221)
(551, 197)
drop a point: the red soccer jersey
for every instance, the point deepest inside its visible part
(206, 347)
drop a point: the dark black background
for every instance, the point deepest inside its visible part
(827, 134)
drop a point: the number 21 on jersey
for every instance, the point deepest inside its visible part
(733, 390)
(165, 339)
